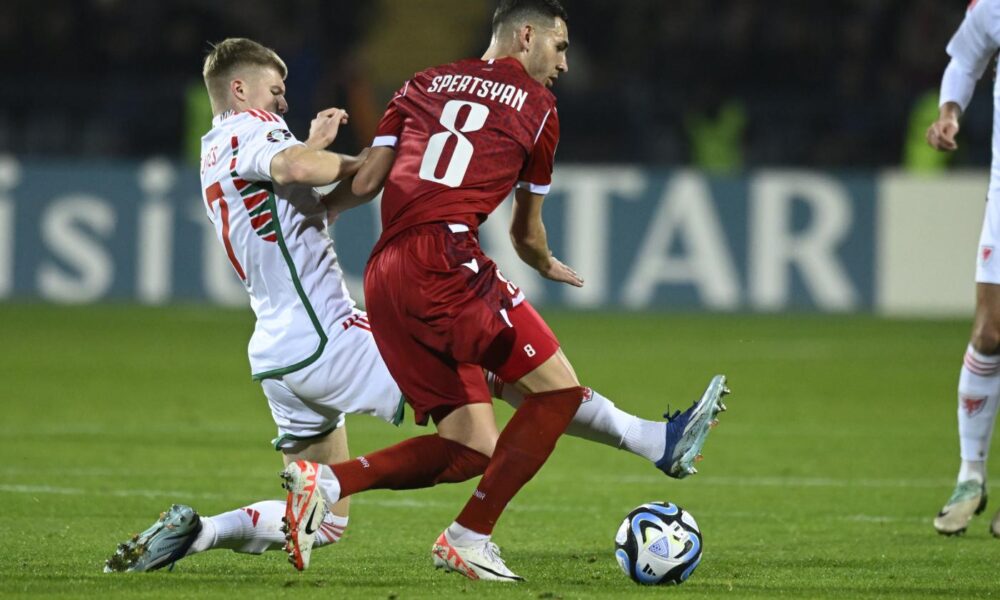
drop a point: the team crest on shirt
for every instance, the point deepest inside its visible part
(279, 135)
(985, 253)
(973, 406)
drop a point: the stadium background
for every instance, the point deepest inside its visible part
(721, 158)
(729, 156)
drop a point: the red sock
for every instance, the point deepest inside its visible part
(523, 447)
(415, 463)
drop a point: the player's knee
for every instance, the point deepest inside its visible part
(483, 442)
(986, 338)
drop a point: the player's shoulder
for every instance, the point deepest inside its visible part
(988, 8)
(253, 124)
(249, 119)
(511, 68)
(427, 75)
(496, 75)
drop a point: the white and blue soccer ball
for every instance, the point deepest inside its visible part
(658, 543)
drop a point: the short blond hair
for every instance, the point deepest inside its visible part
(229, 55)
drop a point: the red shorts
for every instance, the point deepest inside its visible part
(441, 311)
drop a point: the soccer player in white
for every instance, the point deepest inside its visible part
(312, 349)
(971, 48)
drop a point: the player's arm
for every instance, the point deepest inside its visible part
(971, 49)
(346, 196)
(365, 184)
(527, 233)
(301, 164)
(310, 163)
(370, 178)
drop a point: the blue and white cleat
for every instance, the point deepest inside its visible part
(164, 543)
(687, 431)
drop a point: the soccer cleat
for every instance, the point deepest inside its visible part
(164, 543)
(686, 432)
(304, 511)
(968, 500)
(478, 561)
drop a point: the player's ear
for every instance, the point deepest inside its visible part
(238, 88)
(524, 36)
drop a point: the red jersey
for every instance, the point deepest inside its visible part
(465, 134)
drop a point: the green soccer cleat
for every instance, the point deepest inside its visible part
(967, 501)
(164, 543)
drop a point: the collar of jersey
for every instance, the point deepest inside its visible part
(219, 118)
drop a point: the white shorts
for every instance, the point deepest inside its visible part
(348, 378)
(987, 264)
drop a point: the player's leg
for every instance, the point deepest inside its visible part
(457, 452)
(552, 396)
(978, 391)
(255, 528)
(260, 527)
(599, 420)
(421, 461)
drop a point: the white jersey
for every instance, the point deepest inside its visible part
(276, 239)
(971, 48)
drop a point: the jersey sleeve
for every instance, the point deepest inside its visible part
(390, 127)
(536, 176)
(259, 141)
(977, 38)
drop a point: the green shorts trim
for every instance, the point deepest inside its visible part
(280, 441)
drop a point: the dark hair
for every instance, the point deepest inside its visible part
(510, 11)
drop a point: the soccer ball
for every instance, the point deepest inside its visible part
(658, 543)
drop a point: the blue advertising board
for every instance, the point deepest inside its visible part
(642, 239)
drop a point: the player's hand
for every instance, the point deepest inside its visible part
(323, 129)
(557, 271)
(941, 134)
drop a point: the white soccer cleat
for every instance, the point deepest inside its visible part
(304, 511)
(478, 561)
(967, 501)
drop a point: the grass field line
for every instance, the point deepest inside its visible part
(412, 503)
(69, 491)
(793, 481)
(713, 480)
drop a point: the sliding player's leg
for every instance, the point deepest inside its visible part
(308, 407)
(252, 529)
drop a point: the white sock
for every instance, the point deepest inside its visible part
(252, 529)
(599, 420)
(646, 438)
(328, 484)
(463, 536)
(978, 391)
(972, 469)
(331, 530)
(256, 529)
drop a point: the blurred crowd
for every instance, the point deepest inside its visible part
(724, 85)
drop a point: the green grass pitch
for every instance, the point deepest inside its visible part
(839, 446)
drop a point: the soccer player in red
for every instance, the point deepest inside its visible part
(450, 147)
